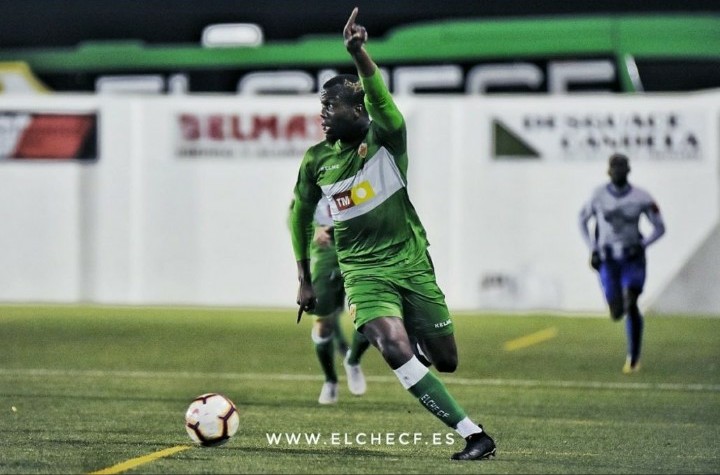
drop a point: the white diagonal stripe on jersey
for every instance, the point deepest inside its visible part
(383, 176)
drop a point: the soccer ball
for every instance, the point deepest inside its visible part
(211, 419)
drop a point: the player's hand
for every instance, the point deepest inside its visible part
(305, 299)
(355, 35)
(595, 260)
(322, 236)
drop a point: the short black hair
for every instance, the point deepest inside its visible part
(615, 157)
(347, 87)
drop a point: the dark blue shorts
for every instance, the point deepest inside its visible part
(616, 275)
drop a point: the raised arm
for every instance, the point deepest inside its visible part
(379, 102)
(355, 38)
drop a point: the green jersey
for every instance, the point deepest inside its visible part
(364, 184)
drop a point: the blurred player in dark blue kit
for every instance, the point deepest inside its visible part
(618, 248)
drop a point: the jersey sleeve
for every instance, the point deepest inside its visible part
(306, 196)
(586, 213)
(652, 211)
(380, 104)
(387, 120)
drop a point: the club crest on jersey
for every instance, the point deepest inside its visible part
(356, 195)
(353, 311)
(362, 150)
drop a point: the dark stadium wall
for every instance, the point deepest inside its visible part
(36, 23)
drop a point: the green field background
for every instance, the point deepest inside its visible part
(85, 388)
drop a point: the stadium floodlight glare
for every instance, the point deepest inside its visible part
(225, 35)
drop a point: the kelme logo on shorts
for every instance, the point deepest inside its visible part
(356, 195)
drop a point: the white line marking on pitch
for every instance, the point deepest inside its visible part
(65, 373)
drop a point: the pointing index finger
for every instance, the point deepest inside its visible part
(351, 20)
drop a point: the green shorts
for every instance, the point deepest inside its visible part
(407, 291)
(327, 281)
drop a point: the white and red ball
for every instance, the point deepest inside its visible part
(211, 419)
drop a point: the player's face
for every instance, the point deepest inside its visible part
(339, 119)
(618, 171)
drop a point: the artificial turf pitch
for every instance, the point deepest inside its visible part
(104, 389)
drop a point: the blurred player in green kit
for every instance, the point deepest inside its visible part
(330, 294)
(360, 171)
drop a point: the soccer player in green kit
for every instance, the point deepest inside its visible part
(330, 303)
(361, 170)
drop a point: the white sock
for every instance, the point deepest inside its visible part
(467, 427)
(411, 372)
(317, 339)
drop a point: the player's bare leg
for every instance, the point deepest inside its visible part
(634, 329)
(388, 335)
(441, 351)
